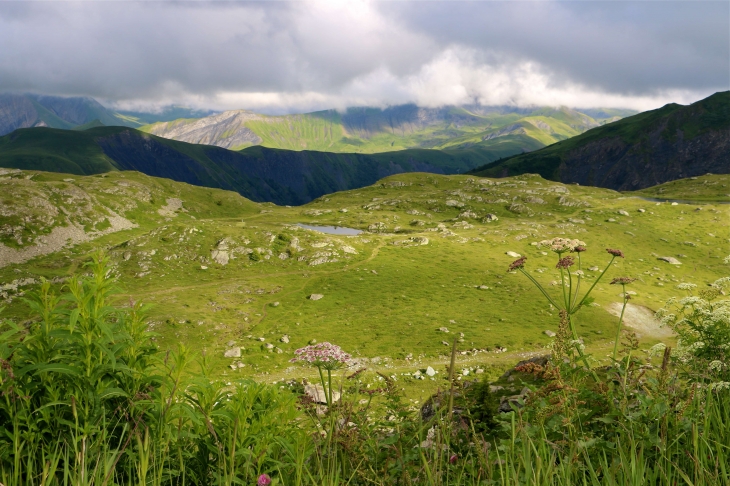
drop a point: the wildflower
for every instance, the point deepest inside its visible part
(657, 349)
(614, 252)
(580, 249)
(519, 263)
(720, 385)
(325, 355)
(622, 280)
(563, 245)
(566, 262)
(453, 459)
(716, 365)
(264, 480)
(686, 286)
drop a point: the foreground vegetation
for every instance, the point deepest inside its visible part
(87, 398)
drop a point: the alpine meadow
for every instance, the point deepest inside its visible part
(365, 243)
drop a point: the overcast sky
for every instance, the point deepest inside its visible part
(277, 57)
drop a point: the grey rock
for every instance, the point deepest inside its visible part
(232, 353)
(513, 254)
(284, 339)
(315, 296)
(317, 394)
(127, 255)
(670, 260)
(623, 213)
(549, 333)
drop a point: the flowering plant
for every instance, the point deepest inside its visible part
(324, 356)
(570, 303)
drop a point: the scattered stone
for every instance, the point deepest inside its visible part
(483, 287)
(269, 346)
(443, 329)
(549, 333)
(284, 339)
(275, 304)
(317, 394)
(230, 344)
(610, 220)
(232, 353)
(312, 341)
(513, 254)
(315, 296)
(670, 260)
(489, 218)
(127, 255)
(641, 210)
(593, 269)
(430, 371)
(468, 214)
(675, 204)
(623, 213)
(479, 371)
(203, 267)
(220, 256)
(454, 204)
(445, 343)
(262, 339)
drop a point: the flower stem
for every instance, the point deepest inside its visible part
(595, 283)
(324, 390)
(550, 299)
(620, 320)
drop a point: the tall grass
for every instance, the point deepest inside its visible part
(86, 399)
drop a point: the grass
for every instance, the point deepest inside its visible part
(388, 300)
(173, 410)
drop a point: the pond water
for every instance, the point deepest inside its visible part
(332, 230)
(681, 201)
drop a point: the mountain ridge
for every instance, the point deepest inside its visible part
(650, 148)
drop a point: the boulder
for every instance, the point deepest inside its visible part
(670, 260)
(489, 218)
(220, 256)
(430, 371)
(232, 353)
(317, 394)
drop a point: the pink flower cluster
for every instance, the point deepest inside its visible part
(326, 355)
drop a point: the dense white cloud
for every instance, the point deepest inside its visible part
(278, 56)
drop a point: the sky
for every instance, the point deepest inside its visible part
(284, 57)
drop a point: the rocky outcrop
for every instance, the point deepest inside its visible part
(225, 130)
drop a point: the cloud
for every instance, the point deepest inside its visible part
(300, 56)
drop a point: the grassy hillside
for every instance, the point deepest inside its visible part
(261, 174)
(373, 130)
(638, 151)
(220, 269)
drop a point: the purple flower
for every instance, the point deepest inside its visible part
(264, 480)
(517, 264)
(566, 262)
(325, 355)
(614, 252)
(453, 459)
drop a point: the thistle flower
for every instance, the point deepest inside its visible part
(519, 263)
(324, 355)
(264, 480)
(566, 262)
(614, 252)
(622, 280)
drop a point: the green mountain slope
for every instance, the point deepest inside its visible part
(373, 130)
(259, 173)
(640, 151)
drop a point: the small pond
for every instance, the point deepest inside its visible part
(331, 230)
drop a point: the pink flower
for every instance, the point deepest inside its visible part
(324, 355)
(565, 262)
(517, 264)
(453, 458)
(614, 252)
(264, 480)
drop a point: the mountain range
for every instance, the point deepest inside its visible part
(640, 151)
(33, 110)
(373, 130)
